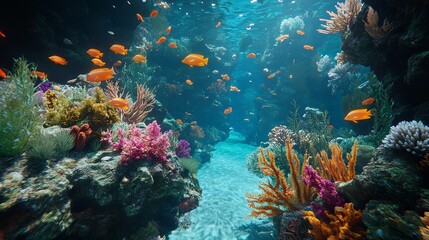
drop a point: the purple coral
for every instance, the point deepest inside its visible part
(183, 149)
(136, 145)
(44, 86)
(326, 189)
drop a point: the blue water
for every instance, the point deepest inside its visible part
(224, 181)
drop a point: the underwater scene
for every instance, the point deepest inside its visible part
(214, 120)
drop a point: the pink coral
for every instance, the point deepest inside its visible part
(135, 145)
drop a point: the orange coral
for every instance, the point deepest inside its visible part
(425, 230)
(280, 196)
(335, 168)
(345, 224)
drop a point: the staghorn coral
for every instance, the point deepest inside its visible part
(279, 196)
(135, 145)
(371, 25)
(340, 21)
(412, 137)
(19, 116)
(81, 135)
(335, 168)
(327, 192)
(345, 223)
(425, 229)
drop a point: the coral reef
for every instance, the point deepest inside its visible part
(81, 135)
(345, 223)
(289, 24)
(183, 149)
(19, 118)
(49, 142)
(189, 164)
(340, 21)
(412, 137)
(425, 230)
(278, 135)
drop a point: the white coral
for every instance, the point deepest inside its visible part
(290, 24)
(410, 136)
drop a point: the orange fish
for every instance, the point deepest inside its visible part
(189, 82)
(282, 38)
(2, 34)
(368, 101)
(358, 114)
(139, 17)
(139, 58)
(117, 63)
(95, 53)
(251, 55)
(195, 60)
(161, 40)
(153, 14)
(179, 121)
(119, 49)
(100, 74)
(218, 24)
(119, 103)
(227, 111)
(234, 89)
(172, 45)
(299, 32)
(308, 47)
(2, 74)
(168, 30)
(331, 126)
(225, 77)
(98, 62)
(38, 74)
(58, 60)
(271, 75)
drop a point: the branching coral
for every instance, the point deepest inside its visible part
(279, 134)
(135, 145)
(19, 118)
(183, 149)
(278, 195)
(371, 25)
(345, 223)
(81, 135)
(412, 137)
(340, 21)
(425, 229)
(335, 168)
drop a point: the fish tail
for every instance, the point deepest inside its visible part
(101, 55)
(113, 71)
(206, 61)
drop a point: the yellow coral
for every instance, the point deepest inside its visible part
(344, 224)
(425, 230)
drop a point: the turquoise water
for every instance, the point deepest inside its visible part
(224, 181)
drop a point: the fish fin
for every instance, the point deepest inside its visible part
(206, 61)
(113, 70)
(354, 121)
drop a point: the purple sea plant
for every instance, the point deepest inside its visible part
(326, 189)
(183, 149)
(44, 86)
(135, 144)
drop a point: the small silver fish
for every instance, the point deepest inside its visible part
(110, 32)
(67, 41)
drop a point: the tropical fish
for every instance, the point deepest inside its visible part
(58, 60)
(2, 74)
(98, 62)
(139, 17)
(251, 55)
(95, 53)
(246, 120)
(282, 38)
(117, 63)
(189, 114)
(111, 32)
(234, 89)
(368, 101)
(119, 103)
(100, 74)
(172, 45)
(219, 81)
(273, 74)
(67, 41)
(358, 114)
(225, 77)
(218, 24)
(168, 30)
(179, 121)
(38, 74)
(299, 32)
(153, 14)
(139, 58)
(2, 34)
(290, 76)
(119, 49)
(195, 60)
(227, 111)
(161, 40)
(189, 82)
(308, 47)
